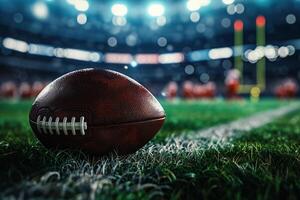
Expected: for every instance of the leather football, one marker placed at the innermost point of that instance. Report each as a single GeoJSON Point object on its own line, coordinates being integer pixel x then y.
{"type": "Point", "coordinates": [96, 111]}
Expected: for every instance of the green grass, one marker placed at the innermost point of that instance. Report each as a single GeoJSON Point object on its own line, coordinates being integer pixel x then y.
{"type": "Point", "coordinates": [262, 164]}
{"type": "Point", "coordinates": [190, 116]}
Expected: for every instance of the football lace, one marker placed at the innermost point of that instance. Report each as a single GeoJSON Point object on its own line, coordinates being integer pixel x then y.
{"type": "Point", "coordinates": [52, 127]}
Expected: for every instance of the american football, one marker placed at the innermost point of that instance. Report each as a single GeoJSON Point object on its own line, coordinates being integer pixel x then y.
{"type": "Point", "coordinates": [149, 99]}
{"type": "Point", "coordinates": [98, 111]}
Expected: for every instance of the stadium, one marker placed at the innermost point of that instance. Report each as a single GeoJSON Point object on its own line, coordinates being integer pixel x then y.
{"type": "Point", "coordinates": [225, 73]}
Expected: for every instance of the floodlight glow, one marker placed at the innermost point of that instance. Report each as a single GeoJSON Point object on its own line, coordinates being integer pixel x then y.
{"type": "Point", "coordinates": [72, 2]}
{"type": "Point", "coordinates": [270, 52]}
{"type": "Point", "coordinates": [58, 52]}
{"type": "Point", "coordinates": [81, 5]}
{"type": "Point", "coordinates": [40, 10]}
{"type": "Point", "coordinates": [194, 5]}
{"type": "Point", "coordinates": [198, 55]}
{"type": "Point", "coordinates": [205, 2]}
{"type": "Point", "coordinates": [146, 58]}
{"type": "Point", "coordinates": [228, 2]}
{"type": "Point", "coordinates": [77, 54]}
{"type": "Point", "coordinates": [94, 57]}
{"type": "Point", "coordinates": [39, 49]}
{"type": "Point", "coordinates": [118, 58]}
{"type": "Point", "coordinates": [119, 10]}
{"type": "Point", "coordinates": [253, 57]}
{"type": "Point", "coordinates": [168, 58]}
{"type": "Point", "coordinates": [156, 10]}
{"type": "Point", "coordinates": [220, 53]}
{"type": "Point", "coordinates": [17, 45]}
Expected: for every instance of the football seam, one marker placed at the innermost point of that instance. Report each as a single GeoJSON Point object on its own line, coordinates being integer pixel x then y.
{"type": "Point", "coordinates": [64, 126]}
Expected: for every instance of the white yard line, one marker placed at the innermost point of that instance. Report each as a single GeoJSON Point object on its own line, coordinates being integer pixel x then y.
{"type": "Point", "coordinates": [225, 131]}
{"type": "Point", "coordinates": [219, 134]}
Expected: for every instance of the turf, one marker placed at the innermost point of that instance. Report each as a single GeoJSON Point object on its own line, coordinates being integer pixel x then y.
{"type": "Point", "coordinates": [185, 116]}
{"type": "Point", "coordinates": [261, 164]}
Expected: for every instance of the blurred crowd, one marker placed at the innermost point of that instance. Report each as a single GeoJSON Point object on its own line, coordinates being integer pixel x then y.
{"type": "Point", "coordinates": [287, 88]}
{"type": "Point", "coordinates": [23, 90]}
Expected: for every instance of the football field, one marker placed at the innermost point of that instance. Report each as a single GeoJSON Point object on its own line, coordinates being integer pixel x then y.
{"type": "Point", "coordinates": [259, 161]}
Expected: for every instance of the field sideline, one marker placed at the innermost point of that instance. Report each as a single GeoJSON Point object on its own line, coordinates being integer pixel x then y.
{"type": "Point", "coordinates": [176, 164]}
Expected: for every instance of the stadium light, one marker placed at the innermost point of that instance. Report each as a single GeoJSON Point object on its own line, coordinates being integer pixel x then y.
{"type": "Point", "coordinates": [119, 10]}
{"type": "Point", "coordinates": [168, 58]}
{"type": "Point", "coordinates": [40, 10]}
{"type": "Point", "coordinates": [228, 2]}
{"type": "Point", "coordinates": [81, 5]}
{"type": "Point", "coordinates": [205, 2]}
{"type": "Point", "coordinates": [17, 45]}
{"type": "Point", "coordinates": [220, 53]}
{"type": "Point", "coordinates": [270, 52]}
{"type": "Point", "coordinates": [156, 10]}
{"type": "Point", "coordinates": [193, 5]}
{"type": "Point", "coordinates": [72, 2]}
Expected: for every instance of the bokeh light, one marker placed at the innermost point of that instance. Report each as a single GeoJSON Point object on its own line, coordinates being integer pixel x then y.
{"type": "Point", "coordinates": [40, 10]}
{"type": "Point", "coordinates": [119, 10]}
{"type": "Point", "coordinates": [156, 10]}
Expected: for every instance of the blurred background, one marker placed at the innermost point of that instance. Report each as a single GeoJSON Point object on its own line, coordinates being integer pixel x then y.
{"type": "Point", "coordinates": [193, 49]}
